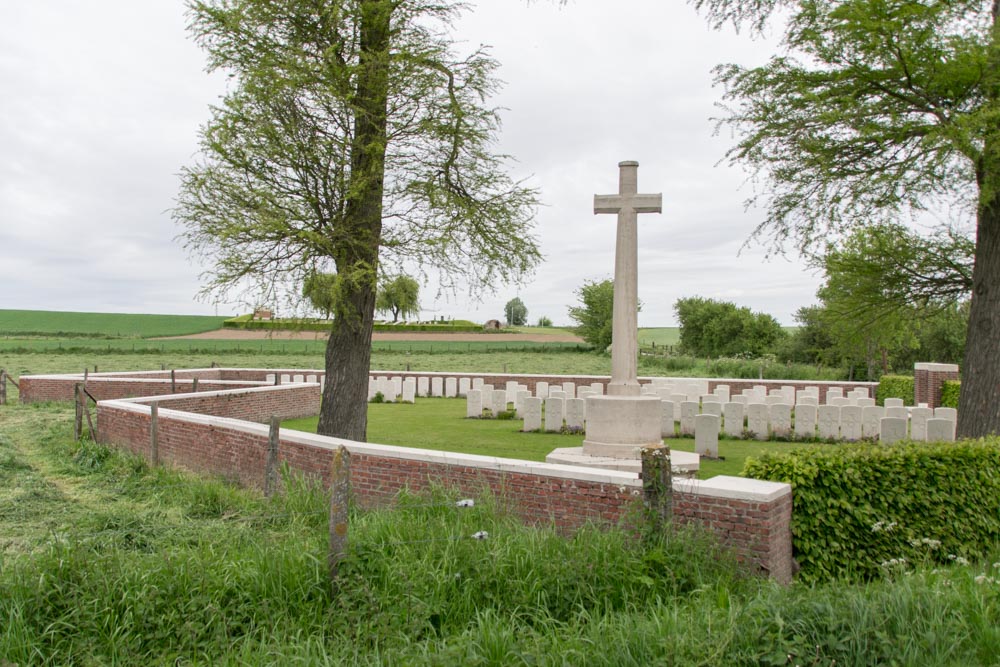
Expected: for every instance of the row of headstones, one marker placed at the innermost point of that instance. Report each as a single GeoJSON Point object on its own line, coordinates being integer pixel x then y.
{"type": "Point", "coordinates": [565, 404]}
{"type": "Point", "coordinates": [396, 388]}
{"type": "Point", "coordinates": [827, 422]}
{"type": "Point", "coordinates": [697, 390]}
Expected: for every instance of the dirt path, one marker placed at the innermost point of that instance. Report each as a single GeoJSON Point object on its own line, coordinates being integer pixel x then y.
{"type": "Point", "coordinates": [244, 334]}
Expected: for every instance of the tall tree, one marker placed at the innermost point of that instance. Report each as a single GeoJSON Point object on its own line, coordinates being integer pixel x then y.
{"type": "Point", "coordinates": [351, 135]}
{"type": "Point", "coordinates": [516, 312]}
{"type": "Point", "coordinates": [594, 314]}
{"type": "Point", "coordinates": [720, 328]}
{"type": "Point", "coordinates": [878, 108]}
{"type": "Point", "coordinates": [399, 296]}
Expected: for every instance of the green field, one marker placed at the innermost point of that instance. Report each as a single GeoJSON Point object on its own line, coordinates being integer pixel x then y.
{"type": "Point", "coordinates": [659, 336]}
{"type": "Point", "coordinates": [110, 325]}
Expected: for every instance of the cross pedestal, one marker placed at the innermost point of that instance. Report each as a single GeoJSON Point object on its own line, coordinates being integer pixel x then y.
{"type": "Point", "coordinates": [621, 423]}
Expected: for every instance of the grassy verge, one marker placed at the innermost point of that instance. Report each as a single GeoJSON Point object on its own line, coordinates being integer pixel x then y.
{"type": "Point", "coordinates": [108, 562]}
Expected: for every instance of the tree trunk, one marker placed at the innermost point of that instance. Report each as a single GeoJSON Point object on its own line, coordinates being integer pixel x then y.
{"type": "Point", "coordinates": [978, 404]}
{"type": "Point", "coordinates": [979, 401]}
{"type": "Point", "coordinates": [344, 410]}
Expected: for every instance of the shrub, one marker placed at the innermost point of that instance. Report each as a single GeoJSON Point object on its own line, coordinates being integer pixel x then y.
{"type": "Point", "coordinates": [544, 321]}
{"type": "Point", "coordinates": [949, 393]}
{"type": "Point", "coordinates": [379, 397]}
{"type": "Point", "coordinates": [895, 386]}
{"type": "Point", "coordinates": [858, 507]}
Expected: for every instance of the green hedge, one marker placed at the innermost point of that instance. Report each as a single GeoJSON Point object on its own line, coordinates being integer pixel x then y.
{"type": "Point", "coordinates": [895, 386]}
{"type": "Point", "coordinates": [324, 325]}
{"type": "Point", "coordinates": [949, 393]}
{"type": "Point", "coordinates": [859, 506]}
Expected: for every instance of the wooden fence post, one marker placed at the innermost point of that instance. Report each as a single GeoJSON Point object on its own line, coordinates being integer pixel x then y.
{"type": "Point", "coordinates": [340, 491]}
{"type": "Point", "coordinates": [271, 471]}
{"type": "Point", "coordinates": [154, 434]}
{"type": "Point", "coordinates": [86, 411]}
{"type": "Point", "coordinates": [173, 381]}
{"type": "Point", "coordinates": [194, 386]}
{"type": "Point", "coordinates": [3, 386]}
{"type": "Point", "coordinates": [78, 417]}
{"type": "Point", "coordinates": [657, 487]}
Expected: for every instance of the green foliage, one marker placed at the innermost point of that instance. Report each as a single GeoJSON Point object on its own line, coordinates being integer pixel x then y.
{"type": "Point", "coordinates": [379, 397]}
{"type": "Point", "coordinates": [459, 326]}
{"type": "Point", "coordinates": [710, 328]}
{"type": "Point", "coordinates": [950, 391]}
{"type": "Point", "coordinates": [103, 325]}
{"type": "Point", "coordinates": [544, 321]}
{"type": "Point", "coordinates": [858, 507]}
{"type": "Point", "coordinates": [399, 296]}
{"type": "Point", "coordinates": [895, 386]}
{"type": "Point", "coordinates": [320, 289]}
{"type": "Point", "coordinates": [515, 312]}
{"type": "Point", "coordinates": [594, 316]}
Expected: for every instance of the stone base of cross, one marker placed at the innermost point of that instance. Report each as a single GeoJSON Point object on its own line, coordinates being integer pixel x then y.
{"type": "Point", "coordinates": [623, 422]}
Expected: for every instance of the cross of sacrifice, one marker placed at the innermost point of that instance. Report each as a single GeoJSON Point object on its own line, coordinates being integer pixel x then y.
{"type": "Point", "coordinates": [625, 324]}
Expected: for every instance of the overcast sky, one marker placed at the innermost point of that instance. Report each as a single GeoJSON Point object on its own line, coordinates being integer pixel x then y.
{"type": "Point", "coordinates": [100, 105]}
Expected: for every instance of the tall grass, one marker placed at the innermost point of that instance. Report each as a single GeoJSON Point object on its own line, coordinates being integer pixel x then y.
{"type": "Point", "coordinates": [153, 566]}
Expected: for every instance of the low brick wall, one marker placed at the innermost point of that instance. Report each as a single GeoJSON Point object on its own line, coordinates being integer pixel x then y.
{"type": "Point", "coordinates": [210, 433]}
{"type": "Point", "coordinates": [103, 386]}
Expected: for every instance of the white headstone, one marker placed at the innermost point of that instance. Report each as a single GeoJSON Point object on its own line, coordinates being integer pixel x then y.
{"type": "Point", "coordinates": [598, 388]}
{"type": "Point", "coordinates": [450, 387]}
{"type": "Point", "coordinates": [712, 408]}
{"type": "Point", "coordinates": [477, 383]}
{"type": "Point", "coordinates": [851, 420]}
{"type": "Point", "coordinates": [574, 414]}
{"type": "Point", "coordinates": [667, 421]}
{"type": "Point", "coordinates": [806, 399]}
{"type": "Point", "coordinates": [569, 388]}
{"type": "Point", "coordinates": [781, 420]}
{"type": "Point", "coordinates": [397, 385]}
{"type": "Point", "coordinates": [410, 392]}
{"type": "Point", "coordinates": [871, 420]}
{"type": "Point", "coordinates": [532, 414]}
{"type": "Point", "coordinates": [706, 435]}
{"type": "Point", "coordinates": [940, 430]}
{"type": "Point", "coordinates": [866, 402]}
{"type": "Point", "coordinates": [689, 409]}
{"type": "Point", "coordinates": [554, 411]}
{"type": "Point", "coordinates": [464, 385]}
{"type": "Point", "coordinates": [722, 391]}
{"type": "Point", "coordinates": [310, 378]}
{"type": "Point", "coordinates": [833, 392]}
{"type": "Point", "coordinates": [437, 386]}
{"type": "Point", "coordinates": [918, 423]}
{"type": "Point", "coordinates": [732, 413]}
{"type": "Point", "coordinates": [946, 413]}
{"type": "Point", "coordinates": [519, 401]}
{"type": "Point", "coordinates": [269, 378]}
{"type": "Point", "coordinates": [828, 422]}
{"type": "Point", "coordinates": [892, 429]}
{"type": "Point", "coordinates": [741, 399]}
{"type": "Point", "coordinates": [372, 388]}
{"type": "Point", "coordinates": [285, 378]}
{"type": "Point", "coordinates": [499, 401]}
{"type": "Point", "coordinates": [677, 399]}
{"type": "Point", "coordinates": [774, 399]}
{"type": "Point", "coordinates": [423, 385]}
{"type": "Point", "coordinates": [487, 392]}
{"type": "Point", "coordinates": [542, 389]}
{"type": "Point", "coordinates": [511, 389]}
{"type": "Point", "coordinates": [805, 420]}
{"type": "Point", "coordinates": [557, 393]}
{"type": "Point", "coordinates": [839, 401]}
{"type": "Point", "coordinates": [474, 404]}
{"type": "Point", "coordinates": [758, 420]}
{"type": "Point", "coordinates": [896, 412]}
{"type": "Point", "coordinates": [893, 403]}
{"type": "Point", "coordinates": [299, 378]}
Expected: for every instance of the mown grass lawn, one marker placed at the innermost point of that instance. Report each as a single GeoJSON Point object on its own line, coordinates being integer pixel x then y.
{"type": "Point", "coordinates": [440, 424]}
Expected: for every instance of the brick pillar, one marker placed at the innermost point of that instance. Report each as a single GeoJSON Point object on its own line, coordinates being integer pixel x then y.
{"type": "Point", "coordinates": [928, 379]}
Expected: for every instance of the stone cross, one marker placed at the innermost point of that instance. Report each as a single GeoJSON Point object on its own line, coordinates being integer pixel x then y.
{"type": "Point", "coordinates": [625, 325]}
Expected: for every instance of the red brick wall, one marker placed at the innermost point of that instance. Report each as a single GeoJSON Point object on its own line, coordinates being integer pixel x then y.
{"type": "Point", "coordinates": [758, 531]}
{"type": "Point", "coordinates": [60, 388]}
